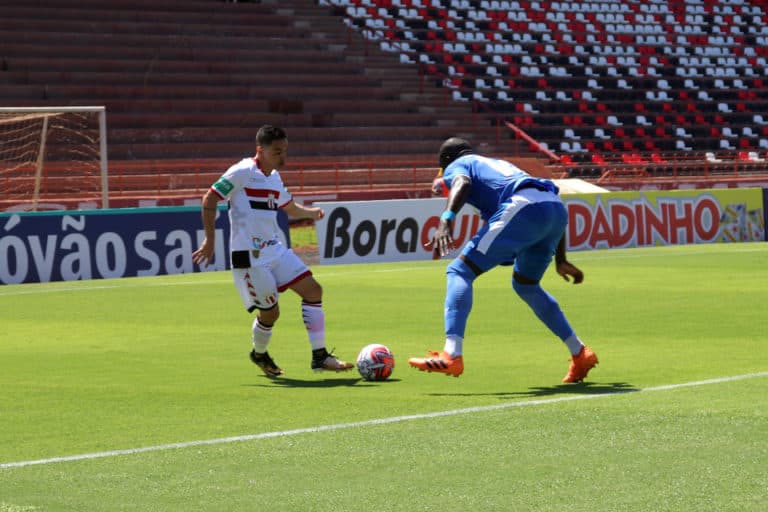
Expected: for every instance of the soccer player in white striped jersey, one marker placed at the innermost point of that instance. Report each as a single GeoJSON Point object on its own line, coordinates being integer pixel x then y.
{"type": "Point", "coordinates": [262, 266]}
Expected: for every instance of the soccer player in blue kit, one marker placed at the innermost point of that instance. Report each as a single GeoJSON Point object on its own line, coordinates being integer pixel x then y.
{"type": "Point", "coordinates": [525, 223]}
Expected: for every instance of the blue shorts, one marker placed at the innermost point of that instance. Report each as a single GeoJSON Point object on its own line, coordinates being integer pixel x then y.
{"type": "Point", "coordinates": [525, 230]}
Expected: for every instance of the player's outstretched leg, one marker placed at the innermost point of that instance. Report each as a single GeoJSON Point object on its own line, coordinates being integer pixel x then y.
{"type": "Point", "coordinates": [458, 304]}
{"type": "Point", "coordinates": [440, 362]}
{"type": "Point", "coordinates": [548, 311]}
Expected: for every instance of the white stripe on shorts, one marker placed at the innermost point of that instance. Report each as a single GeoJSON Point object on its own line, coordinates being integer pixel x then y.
{"type": "Point", "coordinates": [518, 201]}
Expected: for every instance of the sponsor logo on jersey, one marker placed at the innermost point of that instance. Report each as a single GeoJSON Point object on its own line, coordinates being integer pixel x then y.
{"type": "Point", "coordinates": [259, 244]}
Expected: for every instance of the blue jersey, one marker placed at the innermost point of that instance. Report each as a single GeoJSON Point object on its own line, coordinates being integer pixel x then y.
{"type": "Point", "coordinates": [493, 181]}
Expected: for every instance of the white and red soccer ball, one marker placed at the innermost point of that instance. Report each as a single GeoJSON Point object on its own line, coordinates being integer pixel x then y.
{"type": "Point", "coordinates": [375, 362]}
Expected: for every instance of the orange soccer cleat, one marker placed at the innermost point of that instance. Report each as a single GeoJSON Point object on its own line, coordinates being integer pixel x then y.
{"type": "Point", "coordinates": [580, 365]}
{"type": "Point", "coordinates": [439, 362]}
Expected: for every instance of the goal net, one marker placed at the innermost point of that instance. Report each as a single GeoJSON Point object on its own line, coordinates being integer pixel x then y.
{"type": "Point", "coordinates": [51, 156]}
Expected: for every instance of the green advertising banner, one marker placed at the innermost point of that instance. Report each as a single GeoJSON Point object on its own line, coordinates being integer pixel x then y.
{"type": "Point", "coordinates": [653, 218]}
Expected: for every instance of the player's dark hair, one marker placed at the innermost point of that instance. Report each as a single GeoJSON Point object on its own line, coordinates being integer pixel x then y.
{"type": "Point", "coordinates": [452, 149]}
{"type": "Point", "coordinates": [268, 134]}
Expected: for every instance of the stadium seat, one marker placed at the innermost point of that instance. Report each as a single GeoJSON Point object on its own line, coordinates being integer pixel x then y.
{"type": "Point", "coordinates": [600, 134]}
{"type": "Point", "coordinates": [709, 156]}
{"type": "Point", "coordinates": [614, 59]}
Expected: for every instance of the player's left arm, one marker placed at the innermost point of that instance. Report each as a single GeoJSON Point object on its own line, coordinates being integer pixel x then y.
{"type": "Point", "coordinates": [564, 267]}
{"type": "Point", "coordinates": [300, 211]}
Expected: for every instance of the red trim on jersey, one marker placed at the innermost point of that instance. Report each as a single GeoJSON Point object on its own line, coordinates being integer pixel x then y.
{"type": "Point", "coordinates": [260, 192]}
{"type": "Point", "coordinates": [258, 165]}
{"type": "Point", "coordinates": [294, 281]}
{"type": "Point", "coordinates": [217, 193]}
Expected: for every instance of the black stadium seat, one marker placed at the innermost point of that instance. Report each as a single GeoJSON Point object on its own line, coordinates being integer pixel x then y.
{"type": "Point", "coordinates": [619, 57]}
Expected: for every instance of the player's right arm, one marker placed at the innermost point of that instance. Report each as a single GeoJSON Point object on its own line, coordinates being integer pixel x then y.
{"type": "Point", "coordinates": [442, 241]}
{"type": "Point", "coordinates": [203, 256]}
{"type": "Point", "coordinates": [228, 184]}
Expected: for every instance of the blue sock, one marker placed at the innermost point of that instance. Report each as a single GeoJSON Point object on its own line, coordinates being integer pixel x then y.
{"type": "Point", "coordinates": [458, 297]}
{"type": "Point", "coordinates": [546, 308]}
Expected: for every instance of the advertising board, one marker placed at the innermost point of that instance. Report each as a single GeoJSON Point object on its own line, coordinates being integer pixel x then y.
{"type": "Point", "coordinates": [397, 230]}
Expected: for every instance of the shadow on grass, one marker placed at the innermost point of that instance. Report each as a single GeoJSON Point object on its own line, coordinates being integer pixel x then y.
{"type": "Point", "coordinates": [581, 388]}
{"type": "Point", "coordinates": [287, 382]}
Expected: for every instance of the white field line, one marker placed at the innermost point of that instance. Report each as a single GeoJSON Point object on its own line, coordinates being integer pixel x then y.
{"type": "Point", "coordinates": [368, 423]}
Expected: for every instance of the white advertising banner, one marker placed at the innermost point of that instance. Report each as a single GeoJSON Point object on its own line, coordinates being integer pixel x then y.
{"type": "Point", "coordinates": [373, 231]}
{"type": "Point", "coordinates": [392, 230]}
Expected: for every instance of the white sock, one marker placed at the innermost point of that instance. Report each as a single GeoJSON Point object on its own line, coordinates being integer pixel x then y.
{"type": "Point", "coordinates": [574, 344]}
{"type": "Point", "coordinates": [314, 321]}
{"type": "Point", "coordinates": [454, 345]}
{"type": "Point", "coordinates": [261, 336]}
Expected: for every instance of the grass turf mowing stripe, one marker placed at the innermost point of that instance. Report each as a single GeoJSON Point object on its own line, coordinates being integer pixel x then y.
{"type": "Point", "coordinates": [368, 423]}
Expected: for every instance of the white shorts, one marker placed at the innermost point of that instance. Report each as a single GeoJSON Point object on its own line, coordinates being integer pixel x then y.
{"type": "Point", "coordinates": [260, 285]}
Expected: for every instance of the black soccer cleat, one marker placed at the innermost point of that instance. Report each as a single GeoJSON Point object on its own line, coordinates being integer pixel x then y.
{"type": "Point", "coordinates": [322, 360]}
{"type": "Point", "coordinates": [266, 363]}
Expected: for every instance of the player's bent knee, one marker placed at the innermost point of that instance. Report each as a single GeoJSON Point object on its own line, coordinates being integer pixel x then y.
{"type": "Point", "coordinates": [535, 296]}
{"type": "Point", "coordinates": [526, 290]}
{"type": "Point", "coordinates": [459, 267]}
{"type": "Point", "coordinates": [520, 279]}
{"type": "Point", "coordinates": [309, 290]}
{"type": "Point", "coordinates": [269, 316]}
{"type": "Point", "coordinates": [316, 292]}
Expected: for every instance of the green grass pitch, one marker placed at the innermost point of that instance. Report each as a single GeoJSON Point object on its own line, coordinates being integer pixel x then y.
{"type": "Point", "coordinates": [138, 395]}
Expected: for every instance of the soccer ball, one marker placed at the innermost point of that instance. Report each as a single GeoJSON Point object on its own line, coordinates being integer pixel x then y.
{"type": "Point", "coordinates": [375, 362]}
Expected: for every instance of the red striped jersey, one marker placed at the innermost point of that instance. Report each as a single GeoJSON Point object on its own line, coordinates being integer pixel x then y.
{"type": "Point", "coordinates": [253, 203]}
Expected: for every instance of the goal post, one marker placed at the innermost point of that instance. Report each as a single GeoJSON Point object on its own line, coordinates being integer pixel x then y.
{"type": "Point", "coordinates": [51, 156]}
